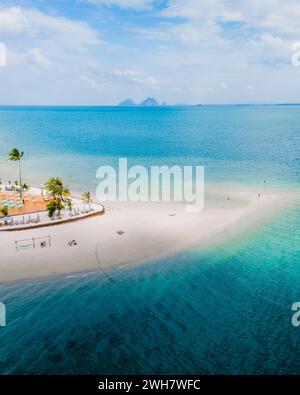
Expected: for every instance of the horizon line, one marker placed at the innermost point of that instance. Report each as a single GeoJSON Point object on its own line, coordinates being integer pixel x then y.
{"type": "Point", "coordinates": [155, 106]}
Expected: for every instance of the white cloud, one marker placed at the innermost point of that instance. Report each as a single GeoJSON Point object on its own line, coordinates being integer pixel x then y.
{"type": "Point", "coordinates": [12, 20]}
{"type": "Point", "coordinates": [275, 42]}
{"type": "Point", "coordinates": [96, 78]}
{"type": "Point", "coordinates": [35, 56]}
{"type": "Point", "coordinates": [194, 9]}
{"type": "Point", "coordinates": [131, 76]}
{"type": "Point", "coordinates": [92, 82]}
{"type": "Point", "coordinates": [155, 34]}
{"type": "Point", "coordinates": [205, 37]}
{"type": "Point", "coordinates": [281, 15]}
{"type": "Point", "coordinates": [45, 56]}
{"type": "Point", "coordinates": [192, 47]}
{"type": "Point", "coordinates": [137, 4]}
{"type": "Point", "coordinates": [35, 25]}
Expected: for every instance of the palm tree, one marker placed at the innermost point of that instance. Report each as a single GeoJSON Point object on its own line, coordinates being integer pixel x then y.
{"type": "Point", "coordinates": [59, 193]}
{"type": "Point", "coordinates": [57, 189]}
{"type": "Point", "coordinates": [15, 156]}
{"type": "Point", "coordinates": [86, 196]}
{"type": "Point", "coordinates": [53, 206]}
{"type": "Point", "coordinates": [4, 211]}
{"type": "Point", "coordinates": [69, 204]}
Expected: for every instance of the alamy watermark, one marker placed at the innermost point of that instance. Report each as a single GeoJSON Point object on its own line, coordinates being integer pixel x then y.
{"type": "Point", "coordinates": [2, 314]}
{"type": "Point", "coordinates": [156, 183]}
{"type": "Point", "coordinates": [296, 315]}
{"type": "Point", "coordinates": [2, 54]}
{"type": "Point", "coordinates": [296, 54]}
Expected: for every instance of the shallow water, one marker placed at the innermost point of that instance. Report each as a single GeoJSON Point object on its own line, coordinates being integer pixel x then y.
{"type": "Point", "coordinates": [224, 310]}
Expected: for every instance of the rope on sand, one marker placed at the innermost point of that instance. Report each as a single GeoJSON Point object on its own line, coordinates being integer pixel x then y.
{"type": "Point", "coordinates": [100, 265]}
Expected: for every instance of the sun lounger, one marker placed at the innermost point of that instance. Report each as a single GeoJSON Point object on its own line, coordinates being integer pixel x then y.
{"type": "Point", "coordinates": [4, 203]}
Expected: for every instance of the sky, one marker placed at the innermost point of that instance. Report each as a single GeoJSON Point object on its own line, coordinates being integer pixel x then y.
{"type": "Point", "coordinates": [99, 52]}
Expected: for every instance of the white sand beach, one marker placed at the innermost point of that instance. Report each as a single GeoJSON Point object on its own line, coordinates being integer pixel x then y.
{"type": "Point", "coordinates": [132, 232]}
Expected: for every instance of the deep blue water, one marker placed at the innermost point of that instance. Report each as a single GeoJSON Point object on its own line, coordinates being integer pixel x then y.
{"type": "Point", "coordinates": [233, 143]}
{"type": "Point", "coordinates": [225, 310]}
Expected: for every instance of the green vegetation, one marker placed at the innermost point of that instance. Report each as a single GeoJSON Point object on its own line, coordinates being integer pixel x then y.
{"type": "Point", "coordinates": [86, 196]}
{"type": "Point", "coordinates": [55, 206]}
{"type": "Point", "coordinates": [59, 194]}
{"type": "Point", "coordinates": [69, 204]}
{"type": "Point", "coordinates": [4, 211]}
{"type": "Point", "coordinates": [15, 156]}
{"type": "Point", "coordinates": [56, 189]}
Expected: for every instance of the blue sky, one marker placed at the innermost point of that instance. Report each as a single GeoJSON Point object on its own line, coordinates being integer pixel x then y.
{"type": "Point", "coordinates": [98, 52]}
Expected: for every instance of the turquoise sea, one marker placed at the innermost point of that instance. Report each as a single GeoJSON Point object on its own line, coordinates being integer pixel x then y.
{"type": "Point", "coordinates": [221, 311]}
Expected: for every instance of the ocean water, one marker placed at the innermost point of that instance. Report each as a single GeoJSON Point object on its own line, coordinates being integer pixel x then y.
{"type": "Point", "coordinates": [225, 310]}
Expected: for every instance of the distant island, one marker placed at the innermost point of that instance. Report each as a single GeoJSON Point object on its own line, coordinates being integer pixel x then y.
{"type": "Point", "coordinates": [152, 102]}
{"type": "Point", "coordinates": [288, 104]}
{"type": "Point", "coordinates": [127, 103]}
{"type": "Point", "coordinates": [148, 102]}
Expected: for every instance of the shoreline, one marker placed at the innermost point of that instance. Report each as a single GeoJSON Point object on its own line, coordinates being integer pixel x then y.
{"type": "Point", "coordinates": [132, 233]}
